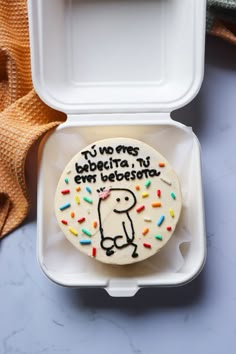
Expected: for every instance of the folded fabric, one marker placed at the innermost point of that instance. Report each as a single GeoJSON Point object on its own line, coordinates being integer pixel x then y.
{"type": "Point", "coordinates": [24, 117]}
{"type": "Point", "coordinates": [221, 19]}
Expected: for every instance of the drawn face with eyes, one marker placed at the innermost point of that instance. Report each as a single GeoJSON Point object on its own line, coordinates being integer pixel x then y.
{"type": "Point", "coordinates": [124, 200]}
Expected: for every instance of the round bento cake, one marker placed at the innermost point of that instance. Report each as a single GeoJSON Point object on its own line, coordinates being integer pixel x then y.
{"type": "Point", "coordinates": [118, 201]}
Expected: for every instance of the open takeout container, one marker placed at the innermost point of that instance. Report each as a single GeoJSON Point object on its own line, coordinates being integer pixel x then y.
{"type": "Point", "coordinates": [118, 68]}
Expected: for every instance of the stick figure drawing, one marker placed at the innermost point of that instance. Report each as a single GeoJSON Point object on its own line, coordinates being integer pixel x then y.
{"type": "Point", "coordinates": [122, 201]}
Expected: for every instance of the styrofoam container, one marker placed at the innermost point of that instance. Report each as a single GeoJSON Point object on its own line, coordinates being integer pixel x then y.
{"type": "Point", "coordinates": [118, 68]}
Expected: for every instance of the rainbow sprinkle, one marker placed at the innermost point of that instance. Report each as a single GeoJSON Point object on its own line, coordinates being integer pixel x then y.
{"type": "Point", "coordinates": [173, 195]}
{"type": "Point", "coordinates": [72, 214]}
{"type": "Point", "coordinates": [81, 220]}
{"type": "Point", "coordinates": [65, 206]}
{"type": "Point", "coordinates": [73, 231]}
{"type": "Point", "coordinates": [89, 190]}
{"type": "Point", "coordinates": [65, 191]}
{"type": "Point", "coordinates": [145, 231]}
{"type": "Point", "coordinates": [94, 251]}
{"type": "Point", "coordinates": [141, 208]}
{"type": "Point", "coordinates": [158, 237]}
{"type": "Point", "coordinates": [160, 221]}
{"type": "Point", "coordinates": [156, 204]}
{"type": "Point", "coordinates": [88, 200]}
{"type": "Point", "coordinates": [169, 228]}
{"type": "Point", "coordinates": [145, 195]}
{"type": "Point", "coordinates": [147, 219]}
{"type": "Point", "coordinates": [137, 188]}
{"type": "Point", "coordinates": [85, 242]}
{"type": "Point", "coordinates": [95, 224]}
{"type": "Point", "coordinates": [64, 222]}
{"type": "Point", "coordinates": [162, 164]}
{"type": "Point", "coordinates": [66, 180]}
{"type": "Point", "coordinates": [77, 199]}
{"type": "Point", "coordinates": [147, 245]}
{"type": "Point", "coordinates": [172, 213]}
{"type": "Point", "coordinates": [86, 232]}
{"type": "Point", "coordinates": [159, 193]}
{"type": "Point", "coordinates": [147, 184]}
{"type": "Point", "coordinates": [78, 189]}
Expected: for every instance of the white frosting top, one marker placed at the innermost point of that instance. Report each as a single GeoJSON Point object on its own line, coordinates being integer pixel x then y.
{"type": "Point", "coordinates": [118, 201]}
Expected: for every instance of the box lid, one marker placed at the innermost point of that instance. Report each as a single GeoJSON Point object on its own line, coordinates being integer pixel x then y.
{"type": "Point", "coordinates": [91, 56]}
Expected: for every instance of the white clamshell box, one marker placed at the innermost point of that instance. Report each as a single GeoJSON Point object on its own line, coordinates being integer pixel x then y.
{"type": "Point", "coordinates": [117, 68]}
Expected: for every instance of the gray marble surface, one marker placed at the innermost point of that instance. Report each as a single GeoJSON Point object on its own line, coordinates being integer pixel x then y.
{"type": "Point", "coordinates": [37, 316]}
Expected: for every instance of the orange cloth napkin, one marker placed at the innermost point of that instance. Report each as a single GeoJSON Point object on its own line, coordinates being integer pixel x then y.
{"type": "Point", "coordinates": [23, 116]}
